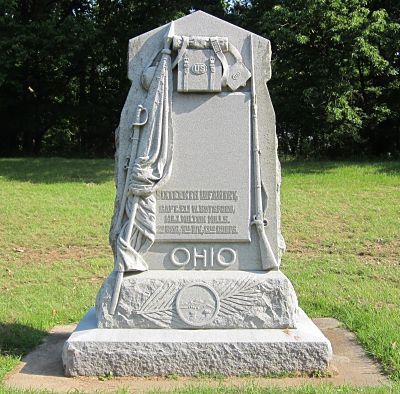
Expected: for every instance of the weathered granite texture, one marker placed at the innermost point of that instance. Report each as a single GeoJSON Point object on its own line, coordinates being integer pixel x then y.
{"type": "Point", "coordinates": [138, 352]}
{"type": "Point", "coordinates": [212, 150]}
{"type": "Point", "coordinates": [197, 205]}
{"type": "Point", "coordinates": [176, 299]}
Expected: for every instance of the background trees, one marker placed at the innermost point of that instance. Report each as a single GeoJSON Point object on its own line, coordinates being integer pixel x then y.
{"type": "Point", "coordinates": [335, 82]}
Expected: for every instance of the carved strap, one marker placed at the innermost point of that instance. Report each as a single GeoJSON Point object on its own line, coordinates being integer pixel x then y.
{"type": "Point", "coordinates": [182, 50]}
{"type": "Point", "coordinates": [235, 53]}
{"type": "Point", "coordinates": [212, 73]}
{"type": "Point", "coordinates": [218, 51]}
{"type": "Point", "coordinates": [199, 42]}
{"type": "Point", "coordinates": [185, 73]}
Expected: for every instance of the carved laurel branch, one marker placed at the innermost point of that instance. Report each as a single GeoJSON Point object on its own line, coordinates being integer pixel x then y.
{"type": "Point", "coordinates": [159, 307]}
{"type": "Point", "coordinates": [235, 297]}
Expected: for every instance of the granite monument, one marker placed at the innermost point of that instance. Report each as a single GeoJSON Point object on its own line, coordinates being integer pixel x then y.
{"type": "Point", "coordinates": [196, 238]}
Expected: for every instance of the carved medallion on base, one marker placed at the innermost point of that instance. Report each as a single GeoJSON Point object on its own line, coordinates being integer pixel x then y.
{"type": "Point", "coordinates": [197, 304]}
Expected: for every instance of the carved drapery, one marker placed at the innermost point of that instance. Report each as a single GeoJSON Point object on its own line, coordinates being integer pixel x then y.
{"type": "Point", "coordinates": [149, 170]}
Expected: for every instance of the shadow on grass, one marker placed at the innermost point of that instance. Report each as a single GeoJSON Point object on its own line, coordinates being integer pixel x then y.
{"type": "Point", "coordinates": [57, 170]}
{"type": "Point", "coordinates": [308, 167]}
{"type": "Point", "coordinates": [18, 339]}
{"type": "Point", "coordinates": [46, 359]}
{"type": "Point", "coordinates": [319, 167]}
{"type": "Point", "coordinates": [389, 168]}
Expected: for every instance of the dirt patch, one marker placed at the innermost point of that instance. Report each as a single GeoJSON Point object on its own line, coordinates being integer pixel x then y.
{"type": "Point", "coordinates": [25, 255]}
{"type": "Point", "coordinates": [377, 253]}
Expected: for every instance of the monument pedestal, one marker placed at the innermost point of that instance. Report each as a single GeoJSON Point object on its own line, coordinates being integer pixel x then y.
{"type": "Point", "coordinates": [94, 351]}
{"type": "Point", "coordinates": [199, 299]}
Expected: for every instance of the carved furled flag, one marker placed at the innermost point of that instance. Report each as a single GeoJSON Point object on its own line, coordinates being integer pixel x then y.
{"type": "Point", "coordinates": [150, 169]}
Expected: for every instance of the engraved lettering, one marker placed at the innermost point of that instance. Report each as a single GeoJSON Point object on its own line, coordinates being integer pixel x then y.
{"type": "Point", "coordinates": [226, 230]}
{"type": "Point", "coordinates": [217, 219]}
{"type": "Point", "coordinates": [175, 260]}
{"type": "Point", "coordinates": [215, 195]}
{"type": "Point", "coordinates": [199, 256]}
{"type": "Point", "coordinates": [174, 209]}
{"type": "Point", "coordinates": [172, 230]}
{"type": "Point", "coordinates": [199, 68]}
{"type": "Point", "coordinates": [203, 258]}
{"type": "Point", "coordinates": [208, 220]}
{"type": "Point", "coordinates": [184, 219]}
{"type": "Point", "coordinates": [222, 260]}
{"type": "Point", "coordinates": [236, 75]}
{"type": "Point", "coordinates": [213, 209]}
{"type": "Point", "coordinates": [218, 195]}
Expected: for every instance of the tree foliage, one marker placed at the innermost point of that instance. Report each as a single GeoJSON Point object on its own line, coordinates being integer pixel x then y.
{"type": "Point", "coordinates": [63, 69]}
{"type": "Point", "coordinates": [335, 83]}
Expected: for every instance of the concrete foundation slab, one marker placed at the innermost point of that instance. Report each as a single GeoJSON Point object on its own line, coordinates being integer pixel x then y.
{"type": "Point", "coordinates": [42, 369]}
{"type": "Point", "coordinates": [142, 352]}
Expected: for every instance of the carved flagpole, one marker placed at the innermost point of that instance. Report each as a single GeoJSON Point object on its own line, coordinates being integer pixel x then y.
{"type": "Point", "coordinates": [135, 142]}
{"type": "Point", "coordinates": [268, 259]}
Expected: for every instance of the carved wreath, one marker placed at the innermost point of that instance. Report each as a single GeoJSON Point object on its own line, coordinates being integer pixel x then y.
{"type": "Point", "coordinates": [160, 307]}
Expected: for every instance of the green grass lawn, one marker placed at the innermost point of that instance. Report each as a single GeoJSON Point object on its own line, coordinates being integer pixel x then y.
{"type": "Point", "coordinates": [340, 220]}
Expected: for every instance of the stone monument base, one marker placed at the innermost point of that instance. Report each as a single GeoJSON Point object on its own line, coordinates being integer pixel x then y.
{"type": "Point", "coordinates": [199, 299]}
{"type": "Point", "coordinates": [92, 351]}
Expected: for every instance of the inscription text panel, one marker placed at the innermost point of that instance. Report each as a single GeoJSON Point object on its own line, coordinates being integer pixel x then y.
{"type": "Point", "coordinates": [208, 195]}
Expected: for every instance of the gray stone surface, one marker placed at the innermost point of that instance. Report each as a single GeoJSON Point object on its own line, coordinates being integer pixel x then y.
{"type": "Point", "coordinates": [212, 152]}
{"type": "Point", "coordinates": [208, 208]}
{"type": "Point", "coordinates": [142, 352]}
{"type": "Point", "coordinates": [171, 299]}
{"type": "Point", "coordinates": [196, 226]}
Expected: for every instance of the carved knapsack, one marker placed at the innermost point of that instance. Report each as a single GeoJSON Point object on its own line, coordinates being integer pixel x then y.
{"type": "Point", "coordinates": [203, 65]}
